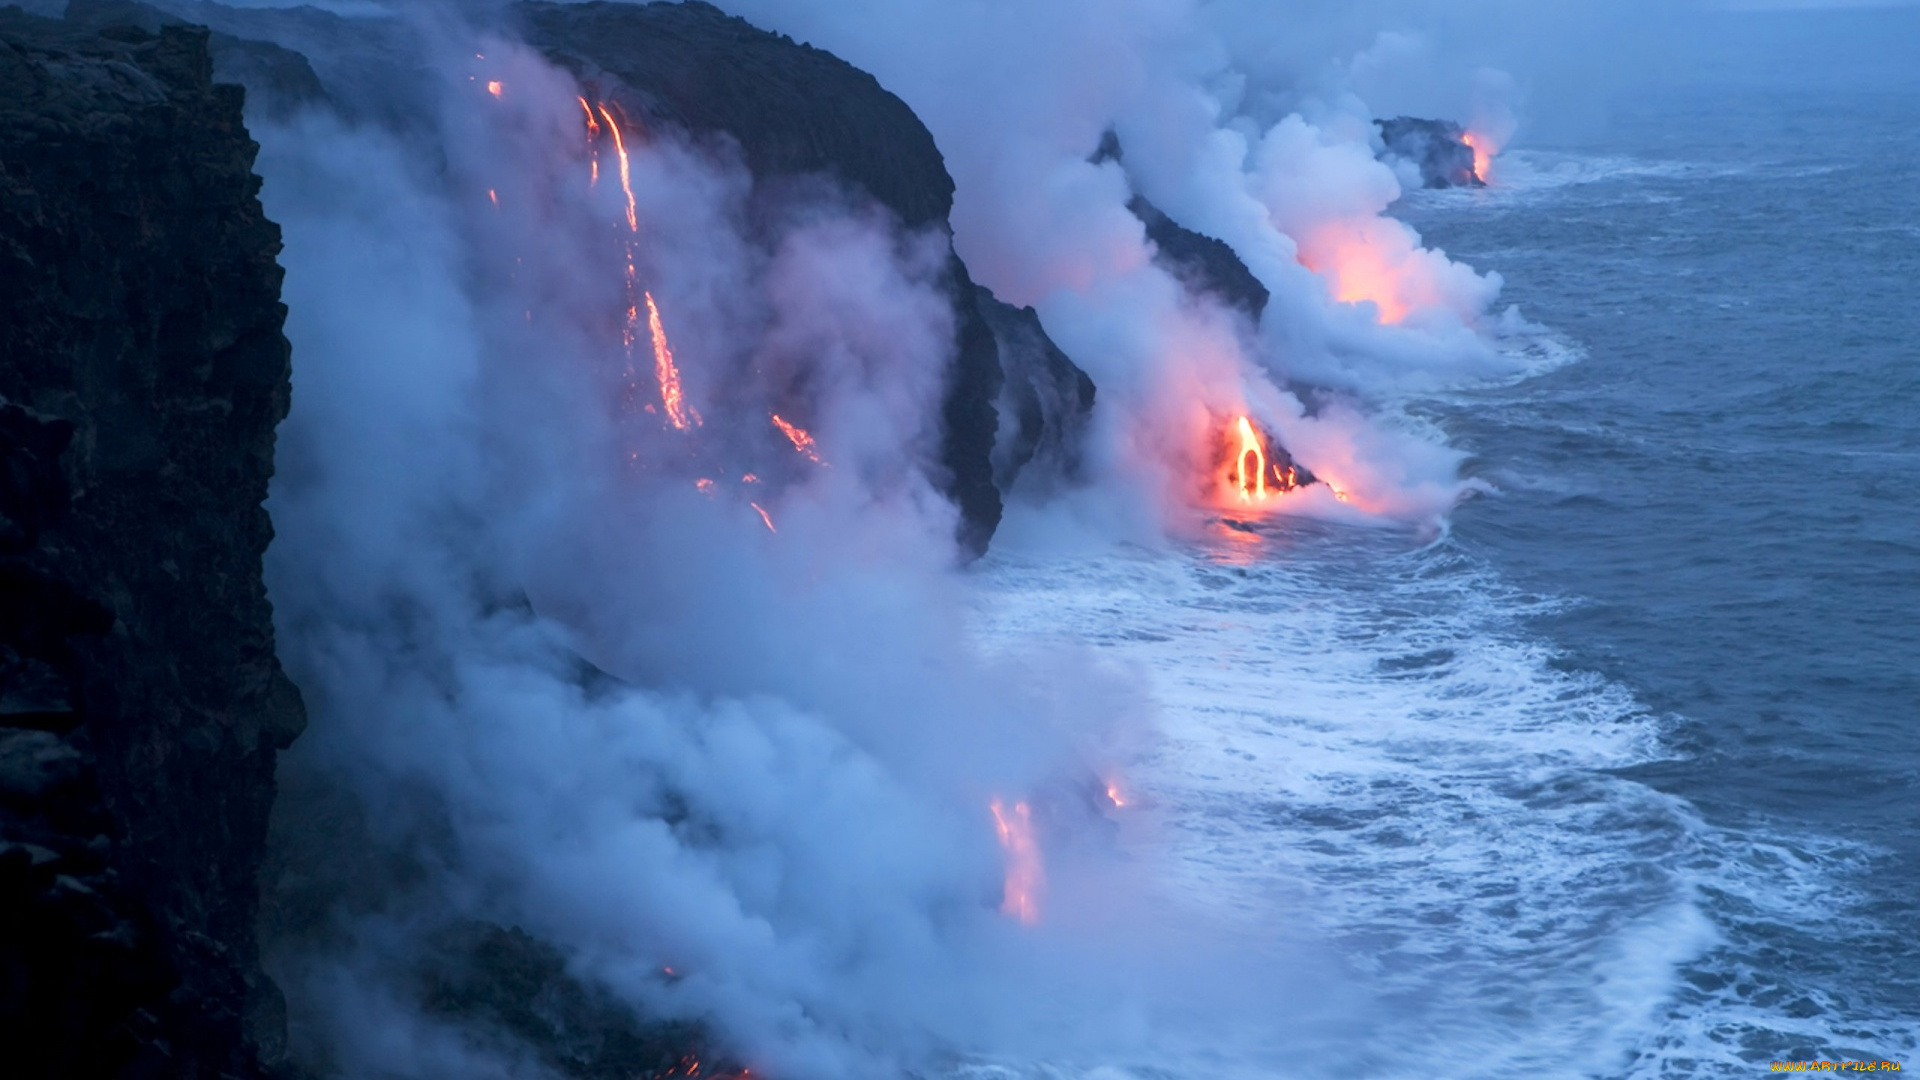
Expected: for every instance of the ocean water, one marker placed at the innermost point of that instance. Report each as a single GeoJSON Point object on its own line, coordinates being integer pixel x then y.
{"type": "Point", "coordinates": [1618, 776]}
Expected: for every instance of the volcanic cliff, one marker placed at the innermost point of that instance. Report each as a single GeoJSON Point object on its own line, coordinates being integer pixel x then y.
{"type": "Point", "coordinates": [143, 370]}
{"type": "Point", "coordinates": [142, 373]}
{"type": "Point", "coordinates": [797, 111]}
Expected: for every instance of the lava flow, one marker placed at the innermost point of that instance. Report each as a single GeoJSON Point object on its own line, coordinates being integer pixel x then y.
{"type": "Point", "coordinates": [1250, 464]}
{"type": "Point", "coordinates": [798, 436]}
{"type": "Point", "coordinates": [1021, 896]}
{"type": "Point", "coordinates": [1246, 474]}
{"type": "Point", "coordinates": [679, 413]}
{"type": "Point", "coordinates": [1483, 150]}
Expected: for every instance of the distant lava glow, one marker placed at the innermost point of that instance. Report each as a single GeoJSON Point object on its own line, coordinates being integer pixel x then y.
{"type": "Point", "coordinates": [1356, 270]}
{"type": "Point", "coordinates": [1021, 896]}
{"type": "Point", "coordinates": [1484, 148]}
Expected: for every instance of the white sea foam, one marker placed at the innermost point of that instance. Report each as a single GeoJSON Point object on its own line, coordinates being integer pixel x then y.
{"type": "Point", "coordinates": [1365, 742]}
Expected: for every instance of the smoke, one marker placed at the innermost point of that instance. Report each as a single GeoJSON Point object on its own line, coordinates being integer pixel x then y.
{"type": "Point", "coordinates": [1246, 125]}
{"type": "Point", "coordinates": [736, 768]}
{"type": "Point", "coordinates": [704, 711]}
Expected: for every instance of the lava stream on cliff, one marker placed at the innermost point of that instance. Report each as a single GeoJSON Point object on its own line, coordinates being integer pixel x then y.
{"type": "Point", "coordinates": [800, 438]}
{"type": "Point", "coordinates": [680, 413]}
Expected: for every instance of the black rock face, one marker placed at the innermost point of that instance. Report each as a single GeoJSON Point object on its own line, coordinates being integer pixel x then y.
{"type": "Point", "coordinates": [143, 370]}
{"type": "Point", "coordinates": [1045, 403]}
{"type": "Point", "coordinates": [1437, 147]}
{"type": "Point", "coordinates": [1203, 263]}
{"type": "Point", "coordinates": [278, 80]}
{"type": "Point", "coordinates": [797, 111]}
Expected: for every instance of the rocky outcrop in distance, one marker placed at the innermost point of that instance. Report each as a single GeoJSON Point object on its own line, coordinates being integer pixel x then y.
{"type": "Point", "coordinates": [1437, 148]}
{"type": "Point", "coordinates": [143, 371]}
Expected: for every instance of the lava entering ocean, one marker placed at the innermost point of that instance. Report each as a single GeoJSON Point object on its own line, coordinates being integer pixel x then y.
{"type": "Point", "coordinates": [1025, 877]}
{"type": "Point", "coordinates": [1246, 474]}
{"type": "Point", "coordinates": [1484, 148]}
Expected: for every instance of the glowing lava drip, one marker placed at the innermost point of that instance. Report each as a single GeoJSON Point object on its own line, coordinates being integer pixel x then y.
{"type": "Point", "coordinates": [678, 411]}
{"type": "Point", "coordinates": [680, 414]}
{"type": "Point", "coordinates": [1021, 896]}
{"type": "Point", "coordinates": [1251, 484]}
{"type": "Point", "coordinates": [798, 436]}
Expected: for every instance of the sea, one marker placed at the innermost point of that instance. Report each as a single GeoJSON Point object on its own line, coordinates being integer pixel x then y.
{"type": "Point", "coordinates": [1618, 775]}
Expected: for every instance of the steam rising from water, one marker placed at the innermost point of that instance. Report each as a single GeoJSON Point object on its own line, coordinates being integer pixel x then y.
{"type": "Point", "coordinates": [579, 691]}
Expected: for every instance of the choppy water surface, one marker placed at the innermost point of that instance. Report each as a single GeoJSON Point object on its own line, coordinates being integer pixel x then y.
{"type": "Point", "coordinates": [1617, 778]}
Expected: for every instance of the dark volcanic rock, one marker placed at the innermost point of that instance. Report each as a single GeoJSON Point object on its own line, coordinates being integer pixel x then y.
{"type": "Point", "coordinates": [1045, 403]}
{"type": "Point", "coordinates": [504, 984]}
{"type": "Point", "coordinates": [279, 81]}
{"type": "Point", "coordinates": [1202, 262]}
{"type": "Point", "coordinates": [1437, 147]}
{"type": "Point", "coordinates": [143, 370]}
{"type": "Point", "coordinates": [796, 111]}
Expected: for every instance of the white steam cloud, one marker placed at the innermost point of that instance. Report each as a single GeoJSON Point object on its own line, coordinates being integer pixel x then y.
{"type": "Point", "coordinates": [781, 795]}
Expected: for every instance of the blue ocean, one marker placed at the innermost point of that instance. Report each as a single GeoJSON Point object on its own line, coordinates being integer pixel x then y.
{"type": "Point", "coordinates": [1617, 776]}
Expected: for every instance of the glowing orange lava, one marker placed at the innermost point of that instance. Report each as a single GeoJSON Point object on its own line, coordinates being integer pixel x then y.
{"type": "Point", "coordinates": [626, 175]}
{"type": "Point", "coordinates": [494, 87]}
{"type": "Point", "coordinates": [763, 516]}
{"type": "Point", "coordinates": [1483, 151]}
{"type": "Point", "coordinates": [798, 436]}
{"type": "Point", "coordinates": [689, 1066]}
{"type": "Point", "coordinates": [1021, 897]}
{"type": "Point", "coordinates": [1250, 464]}
{"type": "Point", "coordinates": [1356, 271]}
{"type": "Point", "coordinates": [1116, 797]}
{"type": "Point", "coordinates": [679, 413]}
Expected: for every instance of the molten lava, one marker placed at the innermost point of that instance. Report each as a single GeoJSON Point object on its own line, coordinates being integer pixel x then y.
{"type": "Point", "coordinates": [1021, 896]}
{"type": "Point", "coordinates": [798, 436]}
{"type": "Point", "coordinates": [1250, 464]}
{"type": "Point", "coordinates": [1483, 151]}
{"type": "Point", "coordinates": [626, 173]}
{"type": "Point", "coordinates": [494, 87]}
{"type": "Point", "coordinates": [761, 510]}
{"type": "Point", "coordinates": [679, 413]}
{"type": "Point", "coordinates": [1116, 797]}
{"type": "Point", "coordinates": [1245, 472]}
